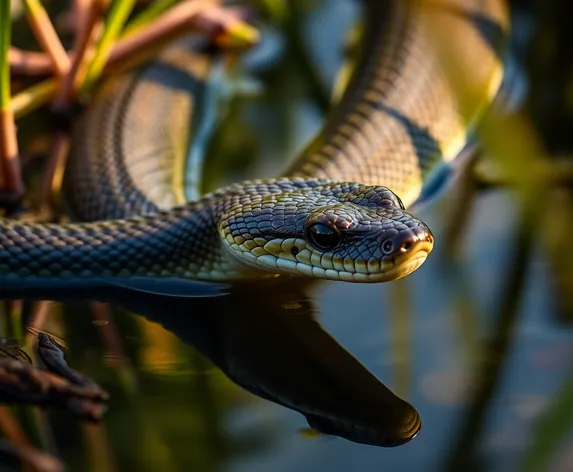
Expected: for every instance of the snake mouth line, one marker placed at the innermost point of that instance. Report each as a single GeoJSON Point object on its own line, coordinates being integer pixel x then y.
{"type": "Point", "coordinates": [401, 269]}
{"type": "Point", "coordinates": [412, 262]}
{"type": "Point", "coordinates": [400, 266]}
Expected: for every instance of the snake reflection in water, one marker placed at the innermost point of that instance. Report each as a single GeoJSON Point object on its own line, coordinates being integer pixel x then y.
{"type": "Point", "coordinates": [277, 350]}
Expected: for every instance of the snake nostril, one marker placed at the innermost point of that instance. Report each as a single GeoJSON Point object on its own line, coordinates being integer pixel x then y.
{"type": "Point", "coordinates": [405, 246]}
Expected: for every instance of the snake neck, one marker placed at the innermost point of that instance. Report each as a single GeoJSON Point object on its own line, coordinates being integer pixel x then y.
{"type": "Point", "coordinates": [183, 242]}
{"type": "Point", "coordinates": [179, 243]}
{"type": "Point", "coordinates": [143, 128]}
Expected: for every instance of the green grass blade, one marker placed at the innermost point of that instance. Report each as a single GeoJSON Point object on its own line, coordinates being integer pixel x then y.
{"type": "Point", "coordinates": [5, 36]}
{"type": "Point", "coordinates": [115, 21]}
{"type": "Point", "coordinates": [150, 13]}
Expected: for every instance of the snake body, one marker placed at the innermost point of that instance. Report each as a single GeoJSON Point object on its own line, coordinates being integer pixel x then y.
{"type": "Point", "coordinates": [331, 215]}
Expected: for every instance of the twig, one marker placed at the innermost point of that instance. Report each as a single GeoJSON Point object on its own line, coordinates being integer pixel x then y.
{"type": "Point", "coordinates": [36, 321]}
{"type": "Point", "coordinates": [226, 29]}
{"type": "Point", "coordinates": [46, 35]}
{"type": "Point", "coordinates": [91, 24]}
{"type": "Point", "coordinates": [25, 383]}
{"type": "Point", "coordinates": [80, 10]}
{"type": "Point", "coordinates": [224, 25]}
{"type": "Point", "coordinates": [169, 25]}
{"type": "Point", "coordinates": [96, 14]}
{"type": "Point", "coordinates": [223, 28]}
{"type": "Point", "coordinates": [29, 63]}
{"type": "Point", "coordinates": [11, 182]}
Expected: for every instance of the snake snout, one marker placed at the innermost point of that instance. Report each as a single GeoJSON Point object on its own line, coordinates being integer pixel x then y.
{"type": "Point", "coordinates": [410, 241]}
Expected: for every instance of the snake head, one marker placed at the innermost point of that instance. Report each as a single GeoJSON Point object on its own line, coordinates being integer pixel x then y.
{"type": "Point", "coordinates": [337, 231]}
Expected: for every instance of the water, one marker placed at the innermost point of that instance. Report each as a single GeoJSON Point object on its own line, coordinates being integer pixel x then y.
{"type": "Point", "coordinates": [220, 384]}
{"type": "Point", "coordinates": [173, 406]}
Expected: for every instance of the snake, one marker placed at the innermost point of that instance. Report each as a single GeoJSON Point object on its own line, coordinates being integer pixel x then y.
{"type": "Point", "coordinates": [338, 211]}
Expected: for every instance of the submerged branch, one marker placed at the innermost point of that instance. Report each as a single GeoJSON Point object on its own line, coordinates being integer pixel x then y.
{"type": "Point", "coordinates": [58, 386]}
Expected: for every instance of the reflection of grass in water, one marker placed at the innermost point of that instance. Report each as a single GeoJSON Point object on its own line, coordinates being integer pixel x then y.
{"type": "Point", "coordinates": [155, 422]}
{"type": "Point", "coordinates": [504, 139]}
{"type": "Point", "coordinates": [515, 147]}
{"type": "Point", "coordinates": [498, 345]}
{"type": "Point", "coordinates": [551, 430]}
{"type": "Point", "coordinates": [455, 224]}
{"type": "Point", "coordinates": [161, 350]}
{"type": "Point", "coordinates": [401, 336]}
{"type": "Point", "coordinates": [557, 246]}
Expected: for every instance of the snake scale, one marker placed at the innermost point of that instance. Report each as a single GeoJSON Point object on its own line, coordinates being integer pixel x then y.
{"type": "Point", "coordinates": [334, 213]}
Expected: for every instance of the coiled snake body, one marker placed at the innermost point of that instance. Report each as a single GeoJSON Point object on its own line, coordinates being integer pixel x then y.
{"type": "Point", "coordinates": [331, 215]}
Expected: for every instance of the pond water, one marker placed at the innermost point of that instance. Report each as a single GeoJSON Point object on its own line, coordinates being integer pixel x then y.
{"type": "Point", "coordinates": [477, 340]}
{"type": "Point", "coordinates": [173, 406]}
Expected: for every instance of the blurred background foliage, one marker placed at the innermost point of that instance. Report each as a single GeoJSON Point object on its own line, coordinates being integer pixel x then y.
{"type": "Point", "coordinates": [501, 279]}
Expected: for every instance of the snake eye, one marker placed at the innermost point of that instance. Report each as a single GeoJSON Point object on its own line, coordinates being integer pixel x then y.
{"type": "Point", "coordinates": [387, 247]}
{"type": "Point", "coordinates": [323, 237]}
